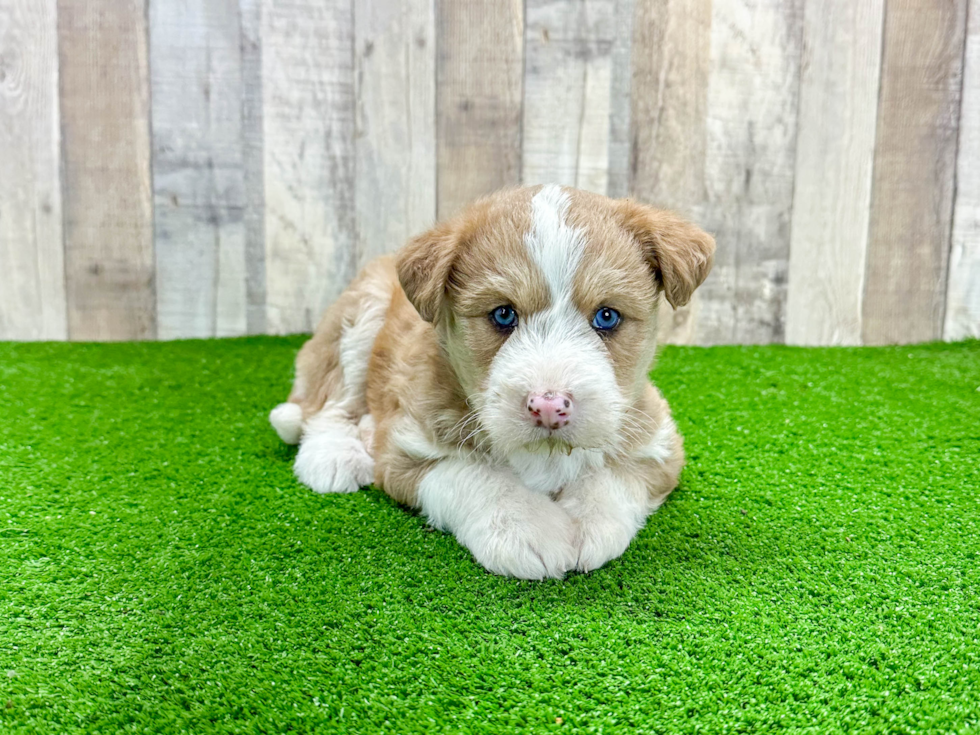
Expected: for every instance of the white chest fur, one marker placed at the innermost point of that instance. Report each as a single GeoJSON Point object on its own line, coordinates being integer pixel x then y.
{"type": "Point", "coordinates": [547, 471]}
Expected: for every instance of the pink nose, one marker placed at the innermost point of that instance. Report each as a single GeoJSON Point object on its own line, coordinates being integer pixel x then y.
{"type": "Point", "coordinates": [550, 410]}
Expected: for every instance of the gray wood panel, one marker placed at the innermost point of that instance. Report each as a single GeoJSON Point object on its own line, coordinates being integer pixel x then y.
{"type": "Point", "coordinates": [568, 74]}
{"type": "Point", "coordinates": [834, 164]}
{"type": "Point", "coordinates": [108, 210]}
{"type": "Point", "coordinates": [963, 289]}
{"type": "Point", "coordinates": [915, 158]}
{"type": "Point", "coordinates": [749, 166]}
{"type": "Point", "coordinates": [395, 54]}
{"type": "Point", "coordinates": [309, 159]}
{"type": "Point", "coordinates": [32, 269]}
{"type": "Point", "coordinates": [198, 175]}
{"type": "Point", "coordinates": [253, 164]}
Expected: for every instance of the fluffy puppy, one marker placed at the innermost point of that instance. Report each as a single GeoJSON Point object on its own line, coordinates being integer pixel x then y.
{"type": "Point", "coordinates": [493, 374]}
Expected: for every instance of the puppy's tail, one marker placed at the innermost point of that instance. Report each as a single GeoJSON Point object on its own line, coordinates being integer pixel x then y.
{"type": "Point", "coordinates": [287, 420]}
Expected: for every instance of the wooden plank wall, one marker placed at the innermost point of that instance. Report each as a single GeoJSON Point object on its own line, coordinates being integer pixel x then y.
{"type": "Point", "coordinates": [199, 168]}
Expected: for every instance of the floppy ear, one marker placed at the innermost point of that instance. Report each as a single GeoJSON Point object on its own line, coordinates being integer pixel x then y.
{"type": "Point", "coordinates": [424, 266]}
{"type": "Point", "coordinates": [680, 253]}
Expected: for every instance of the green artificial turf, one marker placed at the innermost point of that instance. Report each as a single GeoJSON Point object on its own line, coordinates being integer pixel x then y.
{"type": "Point", "coordinates": [161, 570]}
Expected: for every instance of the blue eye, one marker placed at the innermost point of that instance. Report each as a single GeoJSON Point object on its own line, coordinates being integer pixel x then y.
{"type": "Point", "coordinates": [504, 317]}
{"type": "Point", "coordinates": [606, 319]}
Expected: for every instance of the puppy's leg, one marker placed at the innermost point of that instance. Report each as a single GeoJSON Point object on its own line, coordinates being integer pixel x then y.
{"type": "Point", "coordinates": [332, 455]}
{"type": "Point", "coordinates": [609, 509]}
{"type": "Point", "coordinates": [508, 529]}
{"type": "Point", "coordinates": [328, 398]}
{"type": "Point", "coordinates": [332, 458]}
{"type": "Point", "coordinates": [611, 504]}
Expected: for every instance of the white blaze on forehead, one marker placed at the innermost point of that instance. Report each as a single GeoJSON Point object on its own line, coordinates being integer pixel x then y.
{"type": "Point", "coordinates": [555, 247]}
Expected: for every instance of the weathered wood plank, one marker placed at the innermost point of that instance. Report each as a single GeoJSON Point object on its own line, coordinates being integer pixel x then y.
{"type": "Point", "coordinates": [750, 159]}
{"type": "Point", "coordinates": [198, 176]}
{"type": "Point", "coordinates": [479, 91]}
{"type": "Point", "coordinates": [253, 164]}
{"type": "Point", "coordinates": [396, 128]}
{"type": "Point", "coordinates": [108, 210]}
{"type": "Point", "coordinates": [32, 271]}
{"type": "Point", "coordinates": [671, 64]}
{"type": "Point", "coordinates": [620, 135]}
{"type": "Point", "coordinates": [915, 158]}
{"type": "Point", "coordinates": [568, 47]}
{"type": "Point", "coordinates": [308, 119]}
{"type": "Point", "coordinates": [963, 290]}
{"type": "Point", "coordinates": [834, 163]}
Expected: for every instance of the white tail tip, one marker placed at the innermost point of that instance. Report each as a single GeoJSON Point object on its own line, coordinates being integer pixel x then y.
{"type": "Point", "coordinates": [287, 420]}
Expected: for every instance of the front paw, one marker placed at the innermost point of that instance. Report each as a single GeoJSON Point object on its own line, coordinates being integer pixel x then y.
{"type": "Point", "coordinates": [333, 464]}
{"type": "Point", "coordinates": [601, 539]}
{"type": "Point", "coordinates": [536, 544]}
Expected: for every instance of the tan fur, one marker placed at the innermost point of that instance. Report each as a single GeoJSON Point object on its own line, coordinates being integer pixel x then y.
{"type": "Point", "coordinates": [409, 378]}
{"type": "Point", "coordinates": [319, 374]}
{"type": "Point", "coordinates": [650, 412]}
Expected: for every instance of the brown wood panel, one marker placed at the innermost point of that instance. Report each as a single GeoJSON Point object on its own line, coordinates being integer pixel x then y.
{"type": "Point", "coordinates": [108, 207]}
{"type": "Point", "coordinates": [669, 95]}
{"type": "Point", "coordinates": [915, 158]}
{"type": "Point", "coordinates": [479, 73]}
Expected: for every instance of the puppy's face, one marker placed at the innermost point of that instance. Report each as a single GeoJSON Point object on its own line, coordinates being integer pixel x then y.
{"type": "Point", "coordinates": [545, 300]}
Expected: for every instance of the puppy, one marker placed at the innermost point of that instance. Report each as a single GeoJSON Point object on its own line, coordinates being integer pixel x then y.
{"type": "Point", "coordinates": [493, 374]}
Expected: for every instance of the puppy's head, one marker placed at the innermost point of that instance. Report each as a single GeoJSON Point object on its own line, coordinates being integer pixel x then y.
{"type": "Point", "coordinates": [545, 301]}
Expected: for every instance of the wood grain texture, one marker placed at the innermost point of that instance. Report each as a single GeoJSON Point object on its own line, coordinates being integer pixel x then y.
{"type": "Point", "coordinates": [32, 271]}
{"type": "Point", "coordinates": [620, 119]}
{"type": "Point", "coordinates": [568, 47]}
{"type": "Point", "coordinates": [198, 176]}
{"type": "Point", "coordinates": [749, 165]}
{"type": "Point", "coordinates": [834, 163]}
{"type": "Point", "coordinates": [253, 164]}
{"type": "Point", "coordinates": [669, 84]}
{"type": "Point", "coordinates": [915, 158]}
{"type": "Point", "coordinates": [479, 73]}
{"type": "Point", "coordinates": [108, 211]}
{"type": "Point", "coordinates": [395, 55]}
{"type": "Point", "coordinates": [309, 159]}
{"type": "Point", "coordinates": [963, 290]}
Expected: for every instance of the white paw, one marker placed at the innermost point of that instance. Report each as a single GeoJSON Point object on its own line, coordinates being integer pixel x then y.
{"type": "Point", "coordinates": [601, 539]}
{"type": "Point", "coordinates": [537, 544]}
{"type": "Point", "coordinates": [328, 463]}
{"type": "Point", "coordinates": [287, 420]}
